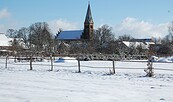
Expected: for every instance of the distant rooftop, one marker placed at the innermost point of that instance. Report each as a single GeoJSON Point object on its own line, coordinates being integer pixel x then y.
{"type": "Point", "coordinates": [4, 41]}
{"type": "Point", "coordinates": [142, 40]}
{"type": "Point", "coordinates": [70, 35]}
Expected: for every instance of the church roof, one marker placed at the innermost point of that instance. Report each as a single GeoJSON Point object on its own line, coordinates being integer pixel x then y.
{"type": "Point", "coordinates": [70, 35]}
{"type": "Point", "coordinates": [88, 18]}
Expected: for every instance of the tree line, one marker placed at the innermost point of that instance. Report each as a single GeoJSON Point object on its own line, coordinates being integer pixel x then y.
{"type": "Point", "coordinates": [104, 42]}
{"type": "Point", "coordinates": [38, 38]}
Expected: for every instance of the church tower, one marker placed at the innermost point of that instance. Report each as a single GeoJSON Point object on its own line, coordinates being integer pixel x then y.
{"type": "Point", "coordinates": [88, 25]}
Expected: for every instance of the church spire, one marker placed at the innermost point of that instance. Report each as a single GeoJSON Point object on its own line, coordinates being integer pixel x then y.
{"type": "Point", "coordinates": [88, 18]}
{"type": "Point", "coordinates": [88, 26]}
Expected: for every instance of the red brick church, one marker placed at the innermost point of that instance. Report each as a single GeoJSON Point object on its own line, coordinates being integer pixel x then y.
{"type": "Point", "coordinates": [85, 34]}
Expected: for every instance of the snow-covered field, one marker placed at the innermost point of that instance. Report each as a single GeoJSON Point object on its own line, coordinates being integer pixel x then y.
{"type": "Point", "coordinates": [64, 84]}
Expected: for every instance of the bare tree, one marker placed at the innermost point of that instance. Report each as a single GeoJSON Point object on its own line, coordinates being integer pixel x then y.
{"type": "Point", "coordinates": [168, 39]}
{"type": "Point", "coordinates": [170, 30]}
{"type": "Point", "coordinates": [164, 50]}
{"type": "Point", "coordinates": [167, 42]}
{"type": "Point", "coordinates": [23, 33]}
{"type": "Point", "coordinates": [125, 38]}
{"type": "Point", "coordinates": [40, 36]}
{"type": "Point", "coordinates": [17, 48]}
{"type": "Point", "coordinates": [103, 35]}
{"type": "Point", "coordinates": [11, 33]}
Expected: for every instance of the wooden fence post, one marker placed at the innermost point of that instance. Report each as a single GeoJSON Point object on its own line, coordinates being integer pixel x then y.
{"type": "Point", "coordinates": [30, 62]}
{"type": "Point", "coordinates": [79, 66]}
{"type": "Point", "coordinates": [15, 59]}
{"type": "Point", "coordinates": [113, 66]}
{"type": "Point", "coordinates": [51, 63]}
{"type": "Point", "coordinates": [151, 73]}
{"type": "Point", "coordinates": [6, 63]}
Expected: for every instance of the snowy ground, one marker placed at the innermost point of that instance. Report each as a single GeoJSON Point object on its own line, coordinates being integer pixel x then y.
{"type": "Point", "coordinates": [64, 84]}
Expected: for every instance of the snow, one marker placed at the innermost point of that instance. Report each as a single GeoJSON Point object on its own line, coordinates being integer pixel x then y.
{"type": "Point", "coordinates": [65, 84]}
{"type": "Point", "coordinates": [168, 59]}
{"type": "Point", "coordinates": [165, 59]}
{"type": "Point", "coordinates": [144, 44]}
{"type": "Point", "coordinates": [65, 59]}
{"type": "Point", "coordinates": [4, 41]}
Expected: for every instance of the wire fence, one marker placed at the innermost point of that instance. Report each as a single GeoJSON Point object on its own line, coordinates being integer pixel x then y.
{"type": "Point", "coordinates": [154, 62]}
{"type": "Point", "coordinates": [7, 61]}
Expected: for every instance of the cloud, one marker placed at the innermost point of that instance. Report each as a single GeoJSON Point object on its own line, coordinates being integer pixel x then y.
{"type": "Point", "coordinates": [55, 25]}
{"type": "Point", "coordinates": [8, 25]}
{"type": "Point", "coordinates": [2, 28]}
{"type": "Point", "coordinates": [4, 13]}
{"type": "Point", "coordinates": [140, 29]}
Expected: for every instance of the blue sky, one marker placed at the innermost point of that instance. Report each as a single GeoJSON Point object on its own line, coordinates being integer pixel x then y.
{"type": "Point", "coordinates": [138, 18]}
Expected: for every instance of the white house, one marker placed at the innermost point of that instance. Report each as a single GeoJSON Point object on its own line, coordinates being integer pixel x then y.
{"type": "Point", "coordinates": [144, 43]}
{"type": "Point", "coordinates": [5, 42]}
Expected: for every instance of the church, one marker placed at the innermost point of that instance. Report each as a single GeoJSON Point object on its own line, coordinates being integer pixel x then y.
{"type": "Point", "coordinates": [77, 35]}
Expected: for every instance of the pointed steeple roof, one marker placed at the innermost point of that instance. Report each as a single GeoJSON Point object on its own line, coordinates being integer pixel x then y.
{"type": "Point", "coordinates": [88, 18]}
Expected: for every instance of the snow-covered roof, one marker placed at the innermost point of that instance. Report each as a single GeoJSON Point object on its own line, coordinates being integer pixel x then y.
{"type": "Point", "coordinates": [4, 41]}
{"type": "Point", "coordinates": [143, 43]}
{"type": "Point", "coordinates": [72, 34]}
{"type": "Point", "coordinates": [127, 43]}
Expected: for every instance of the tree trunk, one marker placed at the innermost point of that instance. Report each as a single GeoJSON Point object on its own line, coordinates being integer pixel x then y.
{"type": "Point", "coordinates": [51, 62]}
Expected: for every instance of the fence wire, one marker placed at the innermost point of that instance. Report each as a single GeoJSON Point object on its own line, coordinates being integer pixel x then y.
{"type": "Point", "coordinates": [87, 66]}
